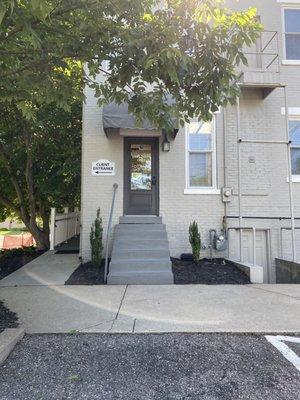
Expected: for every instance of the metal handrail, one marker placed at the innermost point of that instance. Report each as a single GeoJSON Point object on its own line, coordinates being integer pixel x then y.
{"type": "Point", "coordinates": [115, 187]}
{"type": "Point", "coordinates": [263, 47]}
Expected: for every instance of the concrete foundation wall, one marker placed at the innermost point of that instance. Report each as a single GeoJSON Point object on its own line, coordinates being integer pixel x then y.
{"type": "Point", "coordinates": [287, 271]}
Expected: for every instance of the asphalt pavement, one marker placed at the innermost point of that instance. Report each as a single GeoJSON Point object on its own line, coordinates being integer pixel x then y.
{"type": "Point", "coordinates": [148, 366]}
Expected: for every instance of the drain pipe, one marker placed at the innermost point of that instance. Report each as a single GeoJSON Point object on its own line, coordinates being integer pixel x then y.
{"type": "Point", "coordinates": [290, 174]}
{"type": "Point", "coordinates": [225, 166]}
{"type": "Point", "coordinates": [238, 129]}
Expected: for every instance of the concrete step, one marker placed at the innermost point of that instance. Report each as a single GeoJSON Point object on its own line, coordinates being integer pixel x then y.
{"type": "Point", "coordinates": [140, 229]}
{"type": "Point", "coordinates": [141, 235]}
{"type": "Point", "coordinates": [142, 254]}
{"type": "Point", "coordinates": [143, 278]}
{"type": "Point", "coordinates": [140, 219]}
{"type": "Point", "coordinates": [140, 265]}
{"type": "Point", "coordinates": [140, 244]}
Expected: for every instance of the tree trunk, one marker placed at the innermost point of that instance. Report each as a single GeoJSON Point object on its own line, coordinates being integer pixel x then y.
{"type": "Point", "coordinates": [42, 240]}
{"type": "Point", "coordinates": [41, 235]}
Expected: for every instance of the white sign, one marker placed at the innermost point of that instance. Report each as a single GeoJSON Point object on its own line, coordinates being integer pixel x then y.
{"type": "Point", "coordinates": [103, 167]}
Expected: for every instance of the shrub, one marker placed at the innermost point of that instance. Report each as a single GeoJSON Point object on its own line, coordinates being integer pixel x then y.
{"type": "Point", "coordinates": [195, 240]}
{"type": "Point", "coordinates": [96, 240]}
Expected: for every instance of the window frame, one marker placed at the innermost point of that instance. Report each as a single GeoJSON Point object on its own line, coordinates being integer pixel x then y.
{"type": "Point", "coordinates": [287, 61]}
{"type": "Point", "coordinates": [201, 189]}
{"type": "Point", "coordinates": [295, 177]}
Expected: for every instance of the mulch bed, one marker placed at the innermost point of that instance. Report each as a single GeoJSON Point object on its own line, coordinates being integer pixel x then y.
{"type": "Point", "coordinates": [8, 319]}
{"type": "Point", "coordinates": [87, 274]}
{"type": "Point", "coordinates": [208, 272]}
{"type": "Point", "coordinates": [11, 260]}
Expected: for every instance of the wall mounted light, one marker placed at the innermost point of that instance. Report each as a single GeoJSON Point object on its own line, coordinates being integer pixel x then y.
{"type": "Point", "coordinates": [165, 145]}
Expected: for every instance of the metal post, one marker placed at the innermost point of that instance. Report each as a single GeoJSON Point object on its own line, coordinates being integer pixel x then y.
{"type": "Point", "coordinates": [66, 211]}
{"type": "Point", "coordinates": [290, 175]}
{"type": "Point", "coordinates": [238, 126]}
{"type": "Point", "coordinates": [115, 187]}
{"type": "Point", "coordinates": [281, 244]}
{"type": "Point", "coordinates": [254, 247]}
{"type": "Point", "coordinates": [52, 228]}
{"type": "Point", "coordinates": [269, 254]}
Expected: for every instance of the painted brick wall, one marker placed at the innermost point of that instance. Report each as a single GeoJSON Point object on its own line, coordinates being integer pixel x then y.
{"type": "Point", "coordinates": [264, 182]}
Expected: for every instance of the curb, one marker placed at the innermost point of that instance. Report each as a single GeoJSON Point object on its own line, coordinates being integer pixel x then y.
{"type": "Point", "coordinates": [8, 339]}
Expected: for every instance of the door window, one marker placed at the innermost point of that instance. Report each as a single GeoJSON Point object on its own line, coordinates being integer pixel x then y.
{"type": "Point", "coordinates": [140, 166]}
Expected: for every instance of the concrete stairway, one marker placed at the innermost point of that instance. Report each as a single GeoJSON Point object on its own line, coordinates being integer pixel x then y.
{"type": "Point", "coordinates": [140, 254]}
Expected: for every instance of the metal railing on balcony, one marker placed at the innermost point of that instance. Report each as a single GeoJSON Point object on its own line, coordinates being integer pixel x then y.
{"type": "Point", "coordinates": [263, 55]}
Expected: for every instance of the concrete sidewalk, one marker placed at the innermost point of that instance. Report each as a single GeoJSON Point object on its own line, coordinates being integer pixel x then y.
{"type": "Point", "coordinates": [170, 308]}
{"type": "Point", "coordinates": [47, 269]}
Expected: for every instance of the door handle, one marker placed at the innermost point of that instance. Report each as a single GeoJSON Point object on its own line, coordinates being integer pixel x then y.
{"type": "Point", "coordinates": [153, 181]}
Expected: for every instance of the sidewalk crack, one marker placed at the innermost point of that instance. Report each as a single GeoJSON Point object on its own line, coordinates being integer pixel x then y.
{"type": "Point", "coordinates": [274, 292]}
{"type": "Point", "coordinates": [119, 309]}
{"type": "Point", "coordinates": [133, 327]}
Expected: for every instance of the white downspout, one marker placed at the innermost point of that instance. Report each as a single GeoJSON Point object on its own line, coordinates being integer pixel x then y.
{"type": "Point", "coordinates": [289, 162]}
{"type": "Point", "coordinates": [238, 126]}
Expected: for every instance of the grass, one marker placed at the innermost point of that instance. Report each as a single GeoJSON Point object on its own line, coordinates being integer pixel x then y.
{"type": "Point", "coordinates": [12, 231]}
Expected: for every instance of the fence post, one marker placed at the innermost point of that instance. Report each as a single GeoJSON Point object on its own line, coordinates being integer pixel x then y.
{"type": "Point", "coordinates": [52, 228]}
{"type": "Point", "coordinates": [66, 211]}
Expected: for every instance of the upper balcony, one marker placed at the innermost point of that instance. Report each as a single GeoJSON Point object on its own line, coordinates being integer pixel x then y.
{"type": "Point", "coordinates": [262, 70]}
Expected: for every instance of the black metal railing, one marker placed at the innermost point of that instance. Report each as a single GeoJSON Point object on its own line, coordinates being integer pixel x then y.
{"type": "Point", "coordinates": [263, 55]}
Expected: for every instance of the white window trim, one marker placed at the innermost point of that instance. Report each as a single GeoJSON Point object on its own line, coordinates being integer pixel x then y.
{"type": "Point", "coordinates": [201, 189]}
{"type": "Point", "coordinates": [290, 5]}
{"type": "Point", "coordinates": [295, 179]}
{"type": "Point", "coordinates": [292, 111]}
{"type": "Point", "coordinates": [288, 1]}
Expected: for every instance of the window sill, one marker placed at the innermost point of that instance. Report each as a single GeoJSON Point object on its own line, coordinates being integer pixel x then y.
{"type": "Point", "coordinates": [290, 62]}
{"type": "Point", "coordinates": [202, 191]}
{"type": "Point", "coordinates": [295, 179]}
{"type": "Point", "coordinates": [289, 1]}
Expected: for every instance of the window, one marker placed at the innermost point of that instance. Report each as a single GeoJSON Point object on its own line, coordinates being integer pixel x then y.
{"type": "Point", "coordinates": [292, 33]}
{"type": "Point", "coordinates": [294, 129]}
{"type": "Point", "coordinates": [200, 143]}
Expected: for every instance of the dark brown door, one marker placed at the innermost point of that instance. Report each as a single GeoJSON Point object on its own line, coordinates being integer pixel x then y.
{"type": "Point", "coordinates": [141, 176]}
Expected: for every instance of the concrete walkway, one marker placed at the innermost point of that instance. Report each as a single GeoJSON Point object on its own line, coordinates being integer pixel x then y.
{"type": "Point", "coordinates": [173, 308]}
{"type": "Point", "coordinates": [47, 269]}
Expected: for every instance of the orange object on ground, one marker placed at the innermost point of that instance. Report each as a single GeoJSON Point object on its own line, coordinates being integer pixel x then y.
{"type": "Point", "coordinates": [16, 241]}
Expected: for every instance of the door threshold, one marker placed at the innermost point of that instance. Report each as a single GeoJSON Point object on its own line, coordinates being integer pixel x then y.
{"type": "Point", "coordinates": [141, 215]}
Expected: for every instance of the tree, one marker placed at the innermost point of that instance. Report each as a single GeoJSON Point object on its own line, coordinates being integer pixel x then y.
{"type": "Point", "coordinates": [186, 51]}
{"type": "Point", "coordinates": [195, 240]}
{"type": "Point", "coordinates": [39, 164]}
{"type": "Point", "coordinates": [96, 240]}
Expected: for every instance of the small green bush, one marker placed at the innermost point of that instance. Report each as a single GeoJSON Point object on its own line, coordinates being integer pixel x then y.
{"type": "Point", "coordinates": [96, 240]}
{"type": "Point", "coordinates": [195, 240]}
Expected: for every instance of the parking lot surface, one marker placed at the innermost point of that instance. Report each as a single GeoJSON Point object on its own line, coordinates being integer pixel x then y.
{"type": "Point", "coordinates": [148, 366]}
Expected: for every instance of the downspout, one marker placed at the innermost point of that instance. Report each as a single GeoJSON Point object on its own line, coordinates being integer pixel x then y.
{"type": "Point", "coordinates": [290, 175]}
{"type": "Point", "coordinates": [225, 167]}
{"type": "Point", "coordinates": [238, 126]}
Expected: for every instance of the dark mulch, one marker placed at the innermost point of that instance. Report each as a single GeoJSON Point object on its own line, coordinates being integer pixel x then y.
{"type": "Point", "coordinates": [8, 319]}
{"type": "Point", "coordinates": [207, 272]}
{"type": "Point", "coordinates": [87, 274]}
{"type": "Point", "coordinates": [11, 260]}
